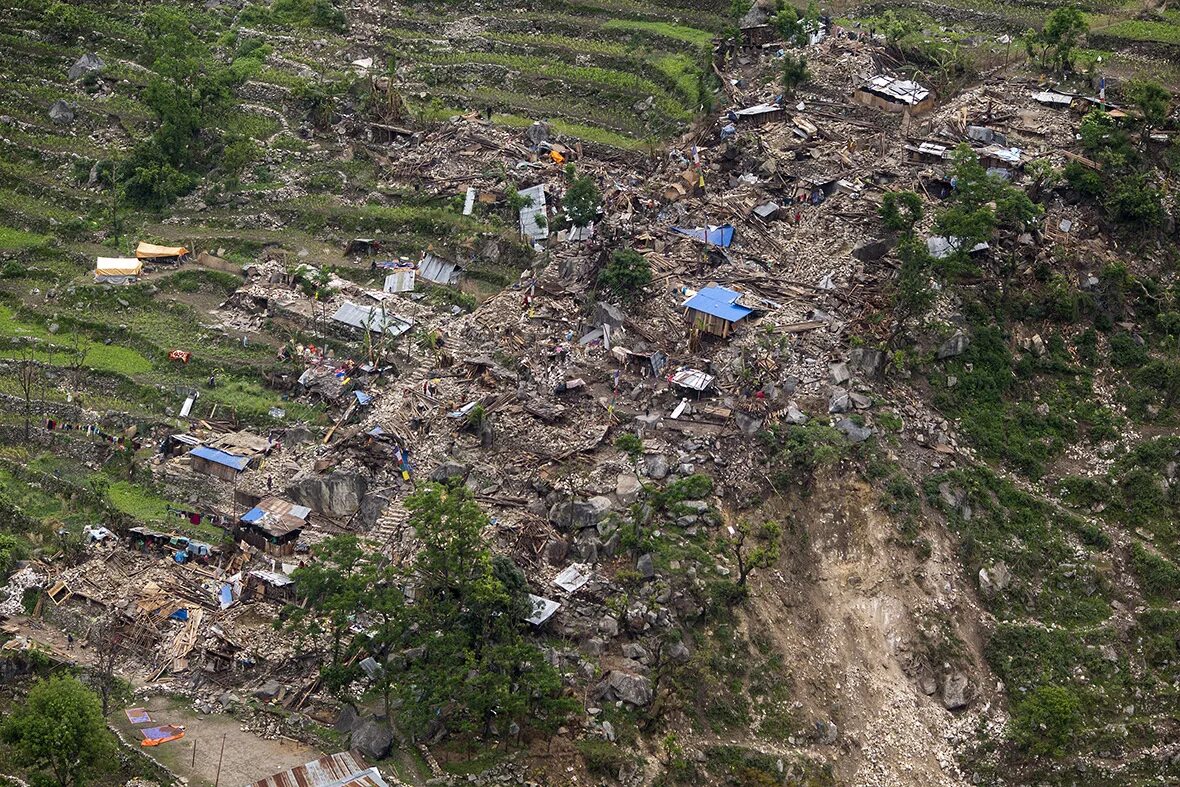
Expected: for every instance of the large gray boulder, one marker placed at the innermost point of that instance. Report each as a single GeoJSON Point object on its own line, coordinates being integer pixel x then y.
{"type": "Point", "coordinates": [628, 687]}
{"type": "Point", "coordinates": [373, 738]}
{"type": "Point", "coordinates": [867, 361]}
{"type": "Point", "coordinates": [953, 346]}
{"type": "Point", "coordinates": [579, 514]}
{"type": "Point", "coordinates": [449, 473]}
{"type": "Point", "coordinates": [954, 691]}
{"type": "Point", "coordinates": [336, 494]}
{"type": "Point", "coordinates": [89, 63]}
{"type": "Point", "coordinates": [854, 431]}
{"type": "Point", "coordinates": [61, 113]}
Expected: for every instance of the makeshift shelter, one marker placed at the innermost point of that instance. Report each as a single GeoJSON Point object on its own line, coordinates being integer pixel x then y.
{"type": "Point", "coordinates": [759, 35]}
{"type": "Point", "coordinates": [273, 526]}
{"type": "Point", "coordinates": [716, 310]}
{"type": "Point", "coordinates": [164, 254]}
{"type": "Point", "coordinates": [221, 464]}
{"type": "Point", "coordinates": [117, 270]}
{"type": "Point", "coordinates": [757, 115]}
{"type": "Point", "coordinates": [894, 95]}
{"type": "Point", "coordinates": [269, 584]}
{"type": "Point", "coordinates": [713, 235]}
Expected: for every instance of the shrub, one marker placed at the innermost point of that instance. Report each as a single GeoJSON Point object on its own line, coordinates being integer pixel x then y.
{"type": "Point", "coordinates": [602, 757]}
{"type": "Point", "coordinates": [1159, 576]}
{"type": "Point", "coordinates": [1134, 202]}
{"type": "Point", "coordinates": [1046, 721]}
{"type": "Point", "coordinates": [629, 444]}
{"type": "Point", "coordinates": [626, 275]}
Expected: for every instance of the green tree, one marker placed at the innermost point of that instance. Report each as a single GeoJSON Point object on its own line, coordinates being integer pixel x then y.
{"type": "Point", "coordinates": [1152, 99]}
{"type": "Point", "coordinates": [1055, 43]}
{"type": "Point", "coordinates": [755, 547]}
{"type": "Point", "coordinates": [59, 731]}
{"type": "Point", "coordinates": [626, 275]}
{"type": "Point", "coordinates": [795, 72]}
{"type": "Point", "coordinates": [895, 27]}
{"type": "Point", "coordinates": [791, 27]}
{"type": "Point", "coordinates": [581, 199]}
{"type": "Point", "coordinates": [471, 662]}
{"type": "Point", "coordinates": [900, 211]}
{"type": "Point", "coordinates": [912, 295]}
{"type": "Point", "coordinates": [1135, 202]}
{"type": "Point", "coordinates": [1046, 722]}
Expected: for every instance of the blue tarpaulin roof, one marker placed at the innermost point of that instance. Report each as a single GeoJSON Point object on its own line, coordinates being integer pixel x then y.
{"type": "Point", "coordinates": [717, 236]}
{"type": "Point", "coordinates": [221, 457]}
{"type": "Point", "coordinates": [253, 515]}
{"type": "Point", "coordinates": [719, 302]}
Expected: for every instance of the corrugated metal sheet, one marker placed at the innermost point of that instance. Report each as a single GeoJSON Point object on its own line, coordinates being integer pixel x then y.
{"type": "Point", "coordinates": [221, 457]}
{"type": "Point", "coordinates": [401, 280]}
{"type": "Point", "coordinates": [529, 226]}
{"type": "Point", "coordinates": [437, 270]}
{"type": "Point", "coordinates": [344, 769]}
{"type": "Point", "coordinates": [903, 90]}
{"type": "Point", "coordinates": [371, 318]}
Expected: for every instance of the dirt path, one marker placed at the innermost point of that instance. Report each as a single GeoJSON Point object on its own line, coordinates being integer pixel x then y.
{"type": "Point", "coordinates": [246, 757]}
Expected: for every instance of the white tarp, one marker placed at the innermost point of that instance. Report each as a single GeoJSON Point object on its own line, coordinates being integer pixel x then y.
{"type": "Point", "coordinates": [530, 226]}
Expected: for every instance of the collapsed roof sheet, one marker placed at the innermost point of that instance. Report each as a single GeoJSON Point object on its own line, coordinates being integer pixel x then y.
{"type": "Point", "coordinates": [542, 609]}
{"type": "Point", "coordinates": [757, 109]}
{"type": "Point", "coordinates": [692, 378]}
{"type": "Point", "coordinates": [530, 227]}
{"type": "Point", "coordinates": [437, 270]}
{"type": "Point", "coordinates": [372, 318]}
{"type": "Point", "coordinates": [904, 90]}
{"type": "Point", "coordinates": [343, 769]}
{"type": "Point", "coordinates": [401, 280]}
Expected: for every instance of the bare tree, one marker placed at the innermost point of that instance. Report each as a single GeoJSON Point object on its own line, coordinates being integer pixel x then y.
{"type": "Point", "coordinates": [107, 641]}
{"type": "Point", "coordinates": [28, 374]}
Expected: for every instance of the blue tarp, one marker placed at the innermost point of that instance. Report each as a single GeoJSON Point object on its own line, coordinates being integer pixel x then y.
{"type": "Point", "coordinates": [253, 515]}
{"type": "Point", "coordinates": [226, 596]}
{"type": "Point", "coordinates": [718, 302]}
{"type": "Point", "coordinates": [362, 398]}
{"type": "Point", "coordinates": [717, 235]}
{"type": "Point", "coordinates": [221, 457]}
{"type": "Point", "coordinates": [180, 614]}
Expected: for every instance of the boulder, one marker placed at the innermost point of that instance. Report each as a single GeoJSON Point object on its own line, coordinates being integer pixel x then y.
{"type": "Point", "coordinates": [268, 690]}
{"type": "Point", "coordinates": [854, 432]}
{"type": "Point", "coordinates": [747, 424]}
{"type": "Point", "coordinates": [555, 551]}
{"type": "Point", "coordinates": [627, 488]}
{"type": "Point", "coordinates": [579, 514]}
{"type": "Point", "coordinates": [795, 416]}
{"type": "Point", "coordinates": [995, 578]}
{"type": "Point", "coordinates": [657, 466]}
{"type": "Point", "coordinates": [347, 720]}
{"type": "Point", "coordinates": [872, 250]}
{"type": "Point", "coordinates": [840, 402]}
{"type": "Point", "coordinates": [62, 113]}
{"type": "Point", "coordinates": [867, 361]}
{"type": "Point", "coordinates": [372, 738]}
{"type": "Point", "coordinates": [336, 494]}
{"type": "Point", "coordinates": [838, 373]}
{"type": "Point", "coordinates": [449, 473]}
{"type": "Point", "coordinates": [954, 691]}
{"type": "Point", "coordinates": [645, 566]}
{"type": "Point", "coordinates": [537, 133]}
{"type": "Point", "coordinates": [89, 63]}
{"type": "Point", "coordinates": [627, 687]}
{"type": "Point", "coordinates": [607, 314]}
{"type": "Point", "coordinates": [953, 346]}
{"type": "Point", "coordinates": [678, 652]}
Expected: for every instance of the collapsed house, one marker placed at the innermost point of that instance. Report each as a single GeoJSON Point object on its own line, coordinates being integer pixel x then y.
{"type": "Point", "coordinates": [894, 95]}
{"type": "Point", "coordinates": [273, 526]}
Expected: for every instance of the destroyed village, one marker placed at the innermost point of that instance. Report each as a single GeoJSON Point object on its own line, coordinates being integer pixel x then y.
{"type": "Point", "coordinates": [592, 393]}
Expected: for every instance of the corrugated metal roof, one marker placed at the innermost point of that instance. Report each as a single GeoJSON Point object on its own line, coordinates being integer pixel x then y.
{"type": "Point", "coordinates": [401, 280]}
{"type": "Point", "coordinates": [692, 378]}
{"type": "Point", "coordinates": [904, 90]}
{"type": "Point", "coordinates": [718, 302]}
{"type": "Point", "coordinates": [372, 318]}
{"type": "Point", "coordinates": [529, 227]}
{"type": "Point", "coordinates": [343, 769]}
{"type": "Point", "coordinates": [437, 270]}
{"type": "Point", "coordinates": [221, 457]}
{"type": "Point", "coordinates": [757, 109]}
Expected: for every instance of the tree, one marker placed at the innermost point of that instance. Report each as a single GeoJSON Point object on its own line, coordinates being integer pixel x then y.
{"type": "Point", "coordinates": [900, 211]}
{"type": "Point", "coordinates": [912, 295]}
{"type": "Point", "coordinates": [795, 72]}
{"type": "Point", "coordinates": [896, 27]}
{"type": "Point", "coordinates": [755, 548]}
{"type": "Point", "coordinates": [471, 663]}
{"type": "Point", "coordinates": [1152, 100]}
{"type": "Point", "coordinates": [626, 275]}
{"type": "Point", "coordinates": [581, 199]}
{"type": "Point", "coordinates": [791, 26]}
{"type": "Point", "coordinates": [106, 640]}
{"type": "Point", "coordinates": [1134, 201]}
{"type": "Point", "coordinates": [1046, 721]}
{"type": "Point", "coordinates": [59, 730]}
{"type": "Point", "coordinates": [1055, 43]}
{"type": "Point", "coordinates": [28, 373]}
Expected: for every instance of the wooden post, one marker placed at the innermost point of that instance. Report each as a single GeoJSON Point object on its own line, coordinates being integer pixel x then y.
{"type": "Point", "coordinates": [193, 764]}
{"type": "Point", "coordinates": [217, 779]}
